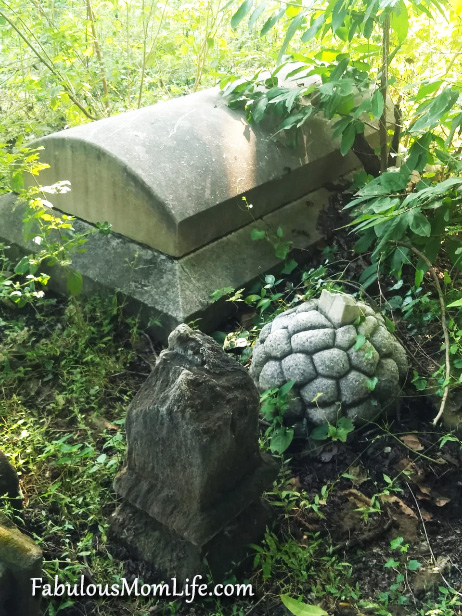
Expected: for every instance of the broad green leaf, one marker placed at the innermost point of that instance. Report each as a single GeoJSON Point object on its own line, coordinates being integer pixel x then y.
{"type": "Point", "coordinates": [455, 304]}
{"type": "Point", "coordinates": [413, 565]}
{"type": "Point", "coordinates": [291, 30]}
{"type": "Point", "coordinates": [399, 21]}
{"type": "Point", "coordinates": [320, 433]}
{"type": "Point", "coordinates": [377, 104]}
{"type": "Point", "coordinates": [314, 28]}
{"type": "Point", "coordinates": [257, 234]}
{"type": "Point", "coordinates": [419, 224]}
{"type": "Point", "coordinates": [369, 276]}
{"type": "Point", "coordinates": [371, 383]}
{"type": "Point", "coordinates": [241, 12]}
{"type": "Point", "coordinates": [393, 181]}
{"type": "Point", "coordinates": [297, 608]}
{"type": "Point", "coordinates": [418, 277]}
{"type": "Point", "coordinates": [338, 15]}
{"type": "Point", "coordinates": [272, 21]}
{"type": "Point", "coordinates": [396, 542]}
{"type": "Point", "coordinates": [17, 181]}
{"type": "Point", "coordinates": [371, 9]}
{"type": "Point", "coordinates": [259, 108]}
{"type": "Point", "coordinates": [435, 110]}
{"type": "Point", "coordinates": [284, 390]}
{"type": "Point", "coordinates": [348, 139]}
{"type": "Point", "coordinates": [289, 267]}
{"type": "Point", "coordinates": [257, 13]}
{"type": "Point", "coordinates": [360, 342]}
{"type": "Point", "coordinates": [281, 439]}
{"type": "Point", "coordinates": [23, 266]}
{"type": "Point", "coordinates": [74, 282]}
{"type": "Point", "coordinates": [428, 88]}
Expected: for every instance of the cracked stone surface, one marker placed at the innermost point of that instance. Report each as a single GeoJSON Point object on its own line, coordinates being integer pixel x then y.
{"type": "Point", "coordinates": [313, 345]}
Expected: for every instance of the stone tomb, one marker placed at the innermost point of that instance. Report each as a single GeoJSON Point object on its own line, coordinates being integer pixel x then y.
{"type": "Point", "coordinates": [171, 178]}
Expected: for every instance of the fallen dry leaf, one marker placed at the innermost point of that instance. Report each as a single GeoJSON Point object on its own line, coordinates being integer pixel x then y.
{"type": "Point", "coordinates": [411, 441]}
{"type": "Point", "coordinates": [358, 497]}
{"type": "Point", "coordinates": [394, 500]}
{"type": "Point", "coordinates": [423, 489]}
{"type": "Point", "coordinates": [426, 515]}
{"type": "Point", "coordinates": [442, 501]}
{"type": "Point", "coordinates": [294, 483]}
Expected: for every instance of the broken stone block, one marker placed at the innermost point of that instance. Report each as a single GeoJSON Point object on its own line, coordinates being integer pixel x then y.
{"type": "Point", "coordinates": [343, 360]}
{"type": "Point", "coordinates": [194, 475]}
{"type": "Point", "coordinates": [20, 560]}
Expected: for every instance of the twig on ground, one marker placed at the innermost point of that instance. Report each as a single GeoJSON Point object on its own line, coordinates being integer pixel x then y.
{"type": "Point", "coordinates": [364, 538]}
{"type": "Point", "coordinates": [443, 323]}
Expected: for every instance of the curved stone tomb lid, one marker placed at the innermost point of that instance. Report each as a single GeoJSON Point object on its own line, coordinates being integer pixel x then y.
{"type": "Point", "coordinates": [172, 175]}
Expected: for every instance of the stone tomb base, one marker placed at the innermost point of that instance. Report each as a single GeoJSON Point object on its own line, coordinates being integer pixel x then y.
{"type": "Point", "coordinates": [169, 290]}
{"type": "Point", "coordinates": [148, 540]}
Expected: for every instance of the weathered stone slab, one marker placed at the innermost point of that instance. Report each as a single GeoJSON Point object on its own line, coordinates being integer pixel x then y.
{"type": "Point", "coordinates": [193, 462]}
{"type": "Point", "coordinates": [172, 175]}
{"type": "Point", "coordinates": [175, 291]}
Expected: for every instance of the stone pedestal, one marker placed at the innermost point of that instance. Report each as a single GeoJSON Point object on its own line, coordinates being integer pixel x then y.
{"type": "Point", "coordinates": [194, 473]}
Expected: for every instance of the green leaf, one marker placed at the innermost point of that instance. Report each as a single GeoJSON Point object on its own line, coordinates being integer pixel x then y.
{"type": "Point", "coordinates": [455, 304]}
{"type": "Point", "coordinates": [17, 181]}
{"type": "Point", "coordinates": [419, 224]}
{"type": "Point", "coordinates": [338, 15]}
{"type": "Point", "coordinates": [418, 277]}
{"type": "Point", "coordinates": [257, 234]}
{"type": "Point", "coordinates": [399, 21]}
{"type": "Point", "coordinates": [396, 542]}
{"type": "Point", "coordinates": [289, 267]}
{"type": "Point", "coordinates": [314, 28]}
{"type": "Point", "coordinates": [391, 562]}
{"type": "Point", "coordinates": [291, 30]}
{"type": "Point", "coordinates": [413, 565]}
{"type": "Point", "coordinates": [281, 439]}
{"type": "Point", "coordinates": [320, 433]}
{"type": "Point", "coordinates": [435, 110]}
{"type": "Point", "coordinates": [377, 104]}
{"type": "Point", "coordinates": [23, 266]}
{"type": "Point", "coordinates": [272, 21]}
{"type": "Point", "coordinates": [371, 383]}
{"type": "Point", "coordinates": [393, 181]}
{"type": "Point", "coordinates": [343, 429]}
{"type": "Point", "coordinates": [360, 341]}
{"type": "Point", "coordinates": [259, 108]}
{"type": "Point", "coordinates": [74, 282]}
{"type": "Point", "coordinates": [241, 12]}
{"type": "Point", "coordinates": [298, 608]}
{"type": "Point", "coordinates": [284, 390]}
{"type": "Point", "coordinates": [348, 139]}
{"type": "Point", "coordinates": [256, 14]}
